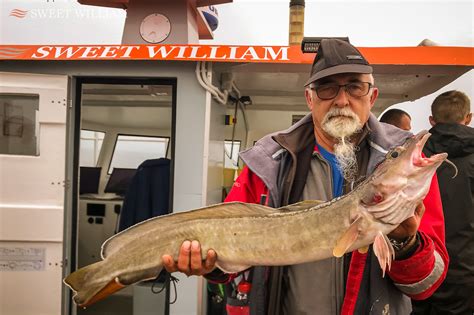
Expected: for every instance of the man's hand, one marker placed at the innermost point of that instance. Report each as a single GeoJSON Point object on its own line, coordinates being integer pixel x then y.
{"type": "Point", "coordinates": [409, 226]}
{"type": "Point", "coordinates": [190, 261]}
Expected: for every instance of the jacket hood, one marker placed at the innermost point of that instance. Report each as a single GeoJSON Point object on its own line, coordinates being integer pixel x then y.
{"type": "Point", "coordinates": [455, 139]}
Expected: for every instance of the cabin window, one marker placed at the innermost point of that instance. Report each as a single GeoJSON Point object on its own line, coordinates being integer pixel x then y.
{"type": "Point", "coordinates": [19, 126]}
{"type": "Point", "coordinates": [231, 154]}
{"type": "Point", "coordinates": [131, 151]}
{"type": "Point", "coordinates": [91, 144]}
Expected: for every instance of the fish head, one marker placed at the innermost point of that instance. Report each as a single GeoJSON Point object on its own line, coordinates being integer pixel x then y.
{"type": "Point", "coordinates": [402, 180]}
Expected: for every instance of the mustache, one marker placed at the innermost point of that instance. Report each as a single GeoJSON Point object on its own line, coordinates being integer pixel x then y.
{"type": "Point", "coordinates": [335, 112]}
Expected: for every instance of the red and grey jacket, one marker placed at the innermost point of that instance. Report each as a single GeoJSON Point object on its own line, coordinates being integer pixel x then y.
{"type": "Point", "coordinates": [272, 171]}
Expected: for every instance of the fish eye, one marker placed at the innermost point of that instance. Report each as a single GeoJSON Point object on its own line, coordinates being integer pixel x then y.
{"type": "Point", "coordinates": [395, 152]}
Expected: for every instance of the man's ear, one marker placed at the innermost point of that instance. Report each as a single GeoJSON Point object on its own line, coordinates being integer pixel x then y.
{"type": "Point", "coordinates": [432, 121]}
{"type": "Point", "coordinates": [373, 97]}
{"type": "Point", "coordinates": [309, 98]}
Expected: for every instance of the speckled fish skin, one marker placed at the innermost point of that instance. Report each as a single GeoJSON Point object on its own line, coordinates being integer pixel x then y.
{"type": "Point", "coordinates": [245, 235]}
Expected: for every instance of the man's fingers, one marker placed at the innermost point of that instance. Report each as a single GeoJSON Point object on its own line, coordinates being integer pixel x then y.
{"type": "Point", "coordinates": [183, 258]}
{"type": "Point", "coordinates": [420, 210]}
{"type": "Point", "coordinates": [196, 260]}
{"type": "Point", "coordinates": [169, 263]}
{"type": "Point", "coordinates": [190, 260]}
{"type": "Point", "coordinates": [210, 262]}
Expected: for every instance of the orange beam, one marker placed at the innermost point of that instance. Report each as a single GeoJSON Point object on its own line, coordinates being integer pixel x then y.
{"type": "Point", "coordinates": [454, 56]}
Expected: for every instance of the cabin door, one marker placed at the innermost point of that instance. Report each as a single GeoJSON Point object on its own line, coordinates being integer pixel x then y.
{"type": "Point", "coordinates": [33, 112]}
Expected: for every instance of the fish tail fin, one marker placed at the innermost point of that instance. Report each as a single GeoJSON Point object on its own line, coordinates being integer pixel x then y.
{"type": "Point", "coordinates": [384, 251]}
{"type": "Point", "coordinates": [90, 285]}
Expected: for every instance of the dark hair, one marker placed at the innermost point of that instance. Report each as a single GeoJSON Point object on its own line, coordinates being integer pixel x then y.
{"type": "Point", "coordinates": [450, 107]}
{"type": "Point", "coordinates": [393, 116]}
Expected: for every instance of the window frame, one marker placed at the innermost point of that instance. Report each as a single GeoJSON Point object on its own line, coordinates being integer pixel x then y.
{"type": "Point", "coordinates": [110, 169]}
{"type": "Point", "coordinates": [36, 124]}
{"type": "Point", "coordinates": [230, 158]}
{"type": "Point", "coordinates": [100, 150]}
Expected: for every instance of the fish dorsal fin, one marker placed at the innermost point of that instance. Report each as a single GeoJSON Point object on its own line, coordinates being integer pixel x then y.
{"type": "Point", "coordinates": [303, 205]}
{"type": "Point", "coordinates": [161, 223]}
{"type": "Point", "coordinates": [347, 239]}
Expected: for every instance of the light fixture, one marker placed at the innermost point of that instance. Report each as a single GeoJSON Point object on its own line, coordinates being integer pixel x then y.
{"type": "Point", "coordinates": [311, 44]}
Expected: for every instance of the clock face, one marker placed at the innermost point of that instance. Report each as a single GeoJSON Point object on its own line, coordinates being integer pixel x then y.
{"type": "Point", "coordinates": [155, 28]}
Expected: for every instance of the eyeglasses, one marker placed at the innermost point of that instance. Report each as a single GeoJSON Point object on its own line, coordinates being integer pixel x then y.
{"type": "Point", "coordinates": [330, 91]}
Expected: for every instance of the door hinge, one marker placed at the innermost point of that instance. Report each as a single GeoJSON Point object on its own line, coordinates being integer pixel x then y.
{"type": "Point", "coordinates": [66, 184]}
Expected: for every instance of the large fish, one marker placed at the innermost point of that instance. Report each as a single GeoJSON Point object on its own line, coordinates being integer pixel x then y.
{"type": "Point", "coordinates": [245, 235]}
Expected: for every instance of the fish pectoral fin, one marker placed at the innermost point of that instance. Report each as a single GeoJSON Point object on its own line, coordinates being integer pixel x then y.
{"type": "Point", "coordinates": [303, 205]}
{"type": "Point", "coordinates": [347, 239]}
{"type": "Point", "coordinates": [228, 267]}
{"type": "Point", "coordinates": [384, 251]}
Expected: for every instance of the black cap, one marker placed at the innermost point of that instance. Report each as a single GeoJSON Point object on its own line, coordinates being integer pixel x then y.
{"type": "Point", "coordinates": [336, 56]}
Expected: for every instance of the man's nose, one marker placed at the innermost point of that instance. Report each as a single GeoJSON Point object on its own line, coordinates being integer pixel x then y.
{"type": "Point", "coordinates": [341, 99]}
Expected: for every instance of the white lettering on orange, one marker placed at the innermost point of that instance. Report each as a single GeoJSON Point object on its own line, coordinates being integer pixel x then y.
{"type": "Point", "coordinates": [70, 51]}
{"type": "Point", "coordinates": [194, 51]}
{"type": "Point", "coordinates": [250, 52]}
{"type": "Point", "coordinates": [89, 52]}
{"type": "Point", "coordinates": [274, 55]}
{"type": "Point", "coordinates": [233, 52]}
{"type": "Point", "coordinates": [44, 51]}
{"type": "Point", "coordinates": [112, 50]}
{"type": "Point", "coordinates": [213, 53]}
{"type": "Point", "coordinates": [128, 50]}
{"type": "Point", "coordinates": [182, 50]}
{"type": "Point", "coordinates": [162, 51]}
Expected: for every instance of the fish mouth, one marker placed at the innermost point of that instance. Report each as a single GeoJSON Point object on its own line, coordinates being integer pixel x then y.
{"type": "Point", "coordinates": [417, 156]}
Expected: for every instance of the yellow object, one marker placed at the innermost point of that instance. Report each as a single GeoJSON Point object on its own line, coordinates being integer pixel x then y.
{"type": "Point", "coordinates": [229, 174]}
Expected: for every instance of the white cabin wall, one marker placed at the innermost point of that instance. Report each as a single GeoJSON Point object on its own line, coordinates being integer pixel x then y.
{"type": "Point", "coordinates": [32, 203]}
{"type": "Point", "coordinates": [189, 147]}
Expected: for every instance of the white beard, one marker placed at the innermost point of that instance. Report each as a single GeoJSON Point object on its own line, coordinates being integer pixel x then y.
{"type": "Point", "coordinates": [342, 128]}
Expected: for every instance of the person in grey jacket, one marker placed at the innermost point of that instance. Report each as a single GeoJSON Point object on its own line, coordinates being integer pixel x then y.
{"type": "Point", "coordinates": [451, 115]}
{"type": "Point", "coordinates": [323, 156]}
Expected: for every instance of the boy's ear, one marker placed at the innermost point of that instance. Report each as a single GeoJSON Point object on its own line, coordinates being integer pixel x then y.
{"type": "Point", "coordinates": [432, 121]}
{"type": "Point", "coordinates": [468, 118]}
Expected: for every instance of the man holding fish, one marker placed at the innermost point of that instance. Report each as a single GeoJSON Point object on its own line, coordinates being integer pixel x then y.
{"type": "Point", "coordinates": [323, 156]}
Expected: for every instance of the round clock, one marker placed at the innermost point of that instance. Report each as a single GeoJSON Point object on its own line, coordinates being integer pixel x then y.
{"type": "Point", "coordinates": [155, 28]}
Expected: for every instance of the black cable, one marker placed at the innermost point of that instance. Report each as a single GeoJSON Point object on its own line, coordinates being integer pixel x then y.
{"type": "Point", "coordinates": [169, 278]}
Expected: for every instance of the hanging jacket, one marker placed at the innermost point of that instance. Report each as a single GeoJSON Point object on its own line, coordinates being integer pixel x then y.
{"type": "Point", "coordinates": [148, 194]}
{"type": "Point", "coordinates": [276, 169]}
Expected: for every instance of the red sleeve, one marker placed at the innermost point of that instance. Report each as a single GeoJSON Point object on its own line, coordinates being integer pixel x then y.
{"type": "Point", "coordinates": [248, 187]}
{"type": "Point", "coordinates": [421, 274]}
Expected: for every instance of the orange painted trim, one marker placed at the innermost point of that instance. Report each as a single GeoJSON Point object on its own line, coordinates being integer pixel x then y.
{"type": "Point", "coordinates": [456, 56]}
{"type": "Point", "coordinates": [435, 55]}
